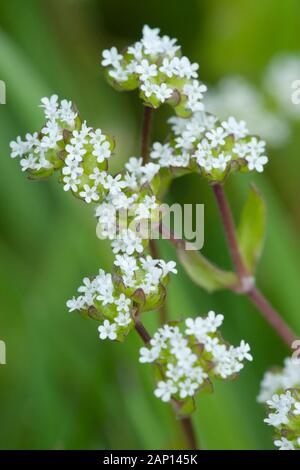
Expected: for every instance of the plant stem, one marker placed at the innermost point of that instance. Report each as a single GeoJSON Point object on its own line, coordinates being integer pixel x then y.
{"type": "Point", "coordinates": [271, 315]}
{"type": "Point", "coordinates": [186, 422]}
{"type": "Point", "coordinates": [230, 232]}
{"type": "Point", "coordinates": [248, 288]}
{"type": "Point", "coordinates": [188, 429]}
{"type": "Point", "coordinates": [146, 133]}
{"type": "Point", "coordinates": [145, 141]}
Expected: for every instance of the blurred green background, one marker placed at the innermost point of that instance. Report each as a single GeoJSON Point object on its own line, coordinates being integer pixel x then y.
{"type": "Point", "coordinates": [63, 388]}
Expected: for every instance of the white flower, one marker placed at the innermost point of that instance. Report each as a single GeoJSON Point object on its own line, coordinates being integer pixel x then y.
{"type": "Point", "coordinates": [89, 194]}
{"type": "Point", "coordinates": [165, 390]}
{"type": "Point", "coordinates": [216, 136]}
{"type": "Point", "coordinates": [284, 444]}
{"type": "Point", "coordinates": [220, 162]}
{"type": "Point", "coordinates": [98, 176]}
{"type": "Point", "coordinates": [111, 57]}
{"type": "Point", "coordinates": [168, 67]}
{"type": "Point", "coordinates": [163, 153]}
{"type": "Point", "coordinates": [185, 68]}
{"type": "Point", "coordinates": [238, 129]}
{"type": "Point", "coordinates": [297, 409]}
{"type": "Point", "coordinates": [71, 182]}
{"type": "Point", "coordinates": [163, 92]}
{"type": "Point", "coordinates": [114, 184]}
{"type": "Point", "coordinates": [243, 351]}
{"type": "Point", "coordinates": [136, 50]}
{"type": "Point", "coordinates": [256, 147]}
{"type": "Point", "coordinates": [119, 74]}
{"type": "Point", "coordinates": [127, 242]}
{"type": "Point", "coordinates": [122, 303]}
{"type": "Point", "coordinates": [167, 267]}
{"type": "Point", "coordinates": [241, 149]}
{"type": "Point", "coordinates": [146, 70]}
{"type": "Point", "coordinates": [148, 88]}
{"type": "Point", "coordinates": [134, 165]}
{"type": "Point", "coordinates": [149, 171]}
{"type": "Point", "coordinates": [50, 106]}
{"type": "Point", "coordinates": [123, 319]}
{"type": "Point", "coordinates": [149, 354]}
{"type": "Point", "coordinates": [29, 163]}
{"type": "Point", "coordinates": [107, 330]}
{"type": "Point", "coordinates": [256, 162]}
{"type": "Point", "coordinates": [19, 148]}
{"type": "Point", "coordinates": [75, 303]}
{"type": "Point", "coordinates": [102, 151]}
{"type": "Point", "coordinates": [187, 388]}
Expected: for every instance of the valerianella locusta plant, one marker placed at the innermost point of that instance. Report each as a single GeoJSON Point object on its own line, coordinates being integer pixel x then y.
{"type": "Point", "coordinates": [156, 67]}
{"type": "Point", "coordinates": [187, 356]}
{"type": "Point", "coordinates": [280, 391]}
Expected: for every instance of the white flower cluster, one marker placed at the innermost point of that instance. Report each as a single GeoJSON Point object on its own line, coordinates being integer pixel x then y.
{"type": "Point", "coordinates": [67, 144]}
{"type": "Point", "coordinates": [100, 299]}
{"type": "Point", "coordinates": [280, 391]}
{"type": "Point", "coordinates": [110, 298]}
{"type": "Point", "coordinates": [156, 66]}
{"type": "Point", "coordinates": [280, 379]}
{"type": "Point", "coordinates": [285, 417]}
{"type": "Point", "coordinates": [188, 361]}
{"type": "Point", "coordinates": [216, 148]}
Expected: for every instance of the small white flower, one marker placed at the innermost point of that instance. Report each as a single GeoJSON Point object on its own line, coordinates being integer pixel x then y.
{"type": "Point", "coordinates": [89, 194]}
{"type": "Point", "coordinates": [284, 444]}
{"type": "Point", "coordinates": [165, 390]}
{"type": "Point", "coordinates": [297, 409]}
{"type": "Point", "coordinates": [256, 162]}
{"type": "Point", "coordinates": [238, 129]}
{"type": "Point", "coordinates": [111, 57]}
{"type": "Point", "coordinates": [123, 319]}
{"type": "Point", "coordinates": [187, 388]}
{"type": "Point", "coordinates": [107, 330]}
{"type": "Point", "coordinates": [163, 92]}
{"type": "Point", "coordinates": [71, 182]}
{"type": "Point", "coordinates": [216, 136]}
{"type": "Point", "coordinates": [122, 303]}
{"type": "Point", "coordinates": [146, 70]}
{"type": "Point", "coordinates": [149, 354]}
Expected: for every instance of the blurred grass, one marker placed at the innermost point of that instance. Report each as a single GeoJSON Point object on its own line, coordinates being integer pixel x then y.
{"type": "Point", "coordinates": [61, 387]}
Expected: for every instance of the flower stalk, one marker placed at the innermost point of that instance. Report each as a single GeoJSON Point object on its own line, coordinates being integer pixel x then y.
{"type": "Point", "coordinates": [247, 283]}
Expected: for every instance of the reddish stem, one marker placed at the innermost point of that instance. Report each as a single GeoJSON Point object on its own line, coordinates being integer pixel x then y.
{"type": "Point", "coordinates": [248, 288]}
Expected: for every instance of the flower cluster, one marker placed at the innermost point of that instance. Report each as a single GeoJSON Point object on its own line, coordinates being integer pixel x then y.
{"type": "Point", "coordinates": [112, 298]}
{"type": "Point", "coordinates": [285, 417]}
{"type": "Point", "coordinates": [156, 67]}
{"type": "Point", "coordinates": [280, 391]}
{"type": "Point", "coordinates": [189, 360]}
{"type": "Point", "coordinates": [67, 144]}
{"type": "Point", "coordinates": [214, 148]}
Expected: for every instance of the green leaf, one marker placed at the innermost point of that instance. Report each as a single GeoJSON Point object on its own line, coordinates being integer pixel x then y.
{"type": "Point", "coordinates": [204, 273]}
{"type": "Point", "coordinates": [251, 230]}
